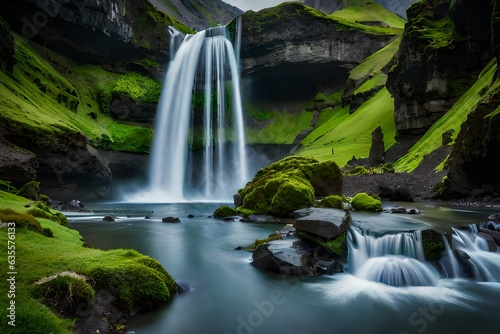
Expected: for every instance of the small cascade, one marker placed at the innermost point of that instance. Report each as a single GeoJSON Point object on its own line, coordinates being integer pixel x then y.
{"type": "Point", "coordinates": [198, 150]}
{"type": "Point", "coordinates": [398, 259]}
{"type": "Point", "coordinates": [475, 259]}
{"type": "Point", "coordinates": [392, 259]}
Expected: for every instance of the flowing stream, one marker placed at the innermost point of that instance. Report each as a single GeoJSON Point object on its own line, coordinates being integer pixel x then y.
{"type": "Point", "coordinates": [387, 286]}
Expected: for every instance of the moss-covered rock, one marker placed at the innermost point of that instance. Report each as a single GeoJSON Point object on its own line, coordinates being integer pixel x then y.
{"type": "Point", "coordinates": [138, 285]}
{"type": "Point", "coordinates": [332, 201]}
{"type": "Point", "coordinates": [290, 184]}
{"type": "Point", "coordinates": [291, 195]}
{"type": "Point", "coordinates": [365, 202]}
{"type": "Point", "coordinates": [30, 190]}
{"type": "Point", "coordinates": [225, 211]}
{"type": "Point", "coordinates": [433, 244]}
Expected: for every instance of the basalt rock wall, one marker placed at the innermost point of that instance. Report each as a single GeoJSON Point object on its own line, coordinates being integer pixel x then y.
{"type": "Point", "coordinates": [294, 50]}
{"type": "Point", "coordinates": [444, 47]}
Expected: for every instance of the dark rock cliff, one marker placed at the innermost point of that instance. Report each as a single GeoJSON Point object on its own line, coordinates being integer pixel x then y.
{"type": "Point", "coordinates": [93, 31]}
{"type": "Point", "coordinates": [327, 6]}
{"type": "Point", "coordinates": [473, 163]}
{"type": "Point", "coordinates": [444, 48]}
{"type": "Point", "coordinates": [292, 50]}
{"type": "Point", "coordinates": [199, 14]}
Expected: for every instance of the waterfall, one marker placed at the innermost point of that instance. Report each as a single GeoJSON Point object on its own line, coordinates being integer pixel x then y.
{"type": "Point", "coordinates": [392, 259]}
{"type": "Point", "coordinates": [198, 150]}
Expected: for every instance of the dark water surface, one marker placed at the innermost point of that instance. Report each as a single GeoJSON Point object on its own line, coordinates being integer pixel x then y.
{"type": "Point", "coordinates": [229, 295]}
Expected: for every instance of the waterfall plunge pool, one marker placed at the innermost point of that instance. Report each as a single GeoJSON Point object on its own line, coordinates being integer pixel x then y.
{"type": "Point", "coordinates": [229, 295]}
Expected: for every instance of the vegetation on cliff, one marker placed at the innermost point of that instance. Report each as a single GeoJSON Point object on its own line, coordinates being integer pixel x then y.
{"type": "Point", "coordinates": [56, 96]}
{"type": "Point", "coordinates": [486, 84]}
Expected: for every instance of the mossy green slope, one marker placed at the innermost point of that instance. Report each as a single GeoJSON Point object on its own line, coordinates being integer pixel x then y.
{"type": "Point", "coordinates": [370, 17]}
{"type": "Point", "coordinates": [38, 97]}
{"type": "Point", "coordinates": [348, 134]}
{"type": "Point", "coordinates": [138, 279]}
{"type": "Point", "coordinates": [486, 84]}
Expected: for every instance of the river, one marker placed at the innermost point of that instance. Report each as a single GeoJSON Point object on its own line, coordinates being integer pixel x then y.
{"type": "Point", "coordinates": [229, 295]}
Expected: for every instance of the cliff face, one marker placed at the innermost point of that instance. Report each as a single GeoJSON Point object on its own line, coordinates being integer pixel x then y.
{"type": "Point", "coordinates": [327, 6]}
{"type": "Point", "coordinates": [291, 50]}
{"type": "Point", "coordinates": [443, 49]}
{"type": "Point", "coordinates": [102, 31]}
{"type": "Point", "coordinates": [199, 14]}
{"type": "Point", "coordinates": [473, 166]}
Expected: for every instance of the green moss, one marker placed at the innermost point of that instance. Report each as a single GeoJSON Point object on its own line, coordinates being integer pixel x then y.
{"type": "Point", "coordinates": [336, 245]}
{"type": "Point", "coordinates": [332, 201]}
{"type": "Point", "coordinates": [137, 285]}
{"type": "Point", "coordinates": [365, 202]}
{"type": "Point", "coordinates": [433, 245]}
{"type": "Point", "coordinates": [257, 242]}
{"type": "Point", "coordinates": [45, 102]}
{"type": "Point", "coordinates": [30, 190]}
{"type": "Point", "coordinates": [288, 185]}
{"type": "Point", "coordinates": [291, 195]}
{"type": "Point", "coordinates": [225, 211]}
{"type": "Point", "coordinates": [141, 89]}
{"type": "Point", "coordinates": [423, 26]}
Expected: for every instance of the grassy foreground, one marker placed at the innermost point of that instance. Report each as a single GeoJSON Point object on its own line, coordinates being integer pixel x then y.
{"type": "Point", "coordinates": [138, 279]}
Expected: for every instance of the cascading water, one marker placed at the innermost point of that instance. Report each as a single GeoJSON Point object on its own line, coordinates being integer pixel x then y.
{"type": "Point", "coordinates": [198, 150]}
{"type": "Point", "coordinates": [398, 259]}
{"type": "Point", "coordinates": [393, 259]}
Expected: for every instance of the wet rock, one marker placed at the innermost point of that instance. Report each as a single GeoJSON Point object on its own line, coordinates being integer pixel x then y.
{"type": "Point", "coordinates": [489, 240]}
{"type": "Point", "coordinates": [170, 219]}
{"type": "Point", "coordinates": [183, 287]}
{"type": "Point", "coordinates": [109, 218]}
{"type": "Point", "coordinates": [286, 257]}
{"type": "Point", "coordinates": [494, 217]}
{"type": "Point", "coordinates": [321, 224]}
{"type": "Point", "coordinates": [403, 210]}
{"type": "Point", "coordinates": [494, 234]}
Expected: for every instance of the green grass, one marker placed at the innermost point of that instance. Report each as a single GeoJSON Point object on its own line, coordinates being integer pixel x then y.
{"type": "Point", "coordinates": [281, 127]}
{"type": "Point", "coordinates": [40, 99]}
{"type": "Point", "coordinates": [350, 134]}
{"type": "Point", "coordinates": [138, 278]}
{"type": "Point", "coordinates": [360, 14]}
{"type": "Point", "coordinates": [452, 120]}
{"type": "Point", "coordinates": [378, 80]}
{"type": "Point", "coordinates": [374, 63]}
